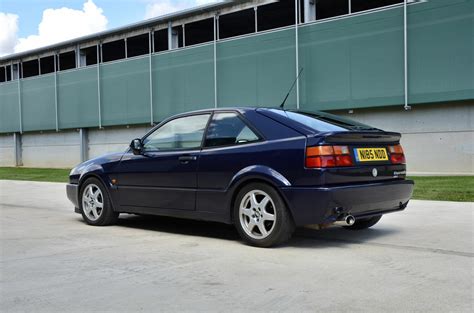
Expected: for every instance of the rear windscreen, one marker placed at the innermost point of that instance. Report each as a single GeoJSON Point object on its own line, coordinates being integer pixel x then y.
{"type": "Point", "coordinates": [324, 122]}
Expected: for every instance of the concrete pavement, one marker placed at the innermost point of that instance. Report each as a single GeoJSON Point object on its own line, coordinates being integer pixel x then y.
{"type": "Point", "coordinates": [419, 260]}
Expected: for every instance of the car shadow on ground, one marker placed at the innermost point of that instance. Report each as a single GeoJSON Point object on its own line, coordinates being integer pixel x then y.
{"type": "Point", "coordinates": [302, 238]}
{"type": "Point", "coordinates": [179, 226]}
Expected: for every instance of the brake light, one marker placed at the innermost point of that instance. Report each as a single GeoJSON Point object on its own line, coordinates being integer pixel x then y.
{"type": "Point", "coordinates": [396, 154]}
{"type": "Point", "coordinates": [328, 156]}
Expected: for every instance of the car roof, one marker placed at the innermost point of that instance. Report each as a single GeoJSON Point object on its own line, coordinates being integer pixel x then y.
{"type": "Point", "coordinates": [239, 109]}
{"type": "Point", "coordinates": [236, 108]}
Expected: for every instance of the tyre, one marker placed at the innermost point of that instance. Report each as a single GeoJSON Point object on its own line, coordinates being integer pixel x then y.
{"type": "Point", "coordinates": [364, 223]}
{"type": "Point", "coordinates": [261, 216]}
{"type": "Point", "coordinates": [95, 205]}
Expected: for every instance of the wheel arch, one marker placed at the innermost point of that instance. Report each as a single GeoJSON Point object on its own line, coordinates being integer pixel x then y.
{"type": "Point", "coordinates": [238, 186]}
{"type": "Point", "coordinates": [97, 175]}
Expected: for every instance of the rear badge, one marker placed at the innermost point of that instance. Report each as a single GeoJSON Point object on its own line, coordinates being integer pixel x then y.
{"type": "Point", "coordinates": [399, 173]}
{"type": "Point", "coordinates": [374, 172]}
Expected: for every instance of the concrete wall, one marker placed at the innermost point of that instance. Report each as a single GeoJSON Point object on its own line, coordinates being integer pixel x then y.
{"type": "Point", "coordinates": [438, 139]}
{"type": "Point", "coordinates": [112, 139]}
{"type": "Point", "coordinates": [51, 149]}
{"type": "Point", "coordinates": [62, 149]}
{"type": "Point", "coordinates": [7, 150]}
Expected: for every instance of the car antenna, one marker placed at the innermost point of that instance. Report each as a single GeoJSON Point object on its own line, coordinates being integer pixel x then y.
{"type": "Point", "coordinates": [282, 105]}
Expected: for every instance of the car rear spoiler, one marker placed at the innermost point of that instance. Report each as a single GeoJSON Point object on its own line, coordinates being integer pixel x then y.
{"type": "Point", "coordinates": [362, 137]}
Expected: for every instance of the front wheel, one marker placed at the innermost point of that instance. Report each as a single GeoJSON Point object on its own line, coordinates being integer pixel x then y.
{"type": "Point", "coordinates": [261, 217]}
{"type": "Point", "coordinates": [364, 223]}
{"type": "Point", "coordinates": [95, 205]}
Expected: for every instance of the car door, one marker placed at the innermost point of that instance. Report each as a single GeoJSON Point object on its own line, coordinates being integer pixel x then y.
{"type": "Point", "coordinates": [163, 176]}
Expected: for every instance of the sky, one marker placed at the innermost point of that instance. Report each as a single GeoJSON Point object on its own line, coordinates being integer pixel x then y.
{"type": "Point", "coordinates": [30, 24]}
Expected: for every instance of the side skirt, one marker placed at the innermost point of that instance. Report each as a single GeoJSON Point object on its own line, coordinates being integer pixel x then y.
{"type": "Point", "coordinates": [194, 215]}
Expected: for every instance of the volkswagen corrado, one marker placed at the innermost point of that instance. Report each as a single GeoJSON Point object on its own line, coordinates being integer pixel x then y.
{"type": "Point", "coordinates": [265, 170]}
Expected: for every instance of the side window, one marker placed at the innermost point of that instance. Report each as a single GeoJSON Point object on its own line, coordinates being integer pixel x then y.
{"type": "Point", "coordinates": [181, 133]}
{"type": "Point", "coordinates": [228, 129]}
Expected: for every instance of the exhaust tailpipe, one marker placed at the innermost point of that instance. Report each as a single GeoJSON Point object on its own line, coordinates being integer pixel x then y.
{"type": "Point", "coordinates": [348, 220]}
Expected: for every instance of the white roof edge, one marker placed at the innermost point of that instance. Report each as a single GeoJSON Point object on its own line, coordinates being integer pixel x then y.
{"type": "Point", "coordinates": [141, 24]}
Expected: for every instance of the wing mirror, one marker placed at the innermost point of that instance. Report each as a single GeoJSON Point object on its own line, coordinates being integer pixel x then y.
{"type": "Point", "coordinates": [136, 145]}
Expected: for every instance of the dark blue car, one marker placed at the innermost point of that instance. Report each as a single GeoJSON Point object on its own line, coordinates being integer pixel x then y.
{"type": "Point", "coordinates": [264, 170]}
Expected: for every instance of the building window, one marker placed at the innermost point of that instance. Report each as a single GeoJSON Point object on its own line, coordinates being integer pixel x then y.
{"type": "Point", "coordinates": [3, 76]}
{"type": "Point", "coordinates": [8, 68]}
{"type": "Point", "coordinates": [237, 23]}
{"type": "Point", "coordinates": [138, 45]}
{"type": "Point", "coordinates": [30, 68]}
{"type": "Point", "coordinates": [275, 15]}
{"type": "Point", "coordinates": [114, 50]}
{"type": "Point", "coordinates": [67, 60]}
{"type": "Point", "coordinates": [199, 32]}
{"type": "Point", "coordinates": [362, 5]}
{"type": "Point", "coordinates": [88, 56]}
{"type": "Point", "coordinates": [331, 8]}
{"type": "Point", "coordinates": [47, 64]}
{"type": "Point", "coordinates": [161, 40]}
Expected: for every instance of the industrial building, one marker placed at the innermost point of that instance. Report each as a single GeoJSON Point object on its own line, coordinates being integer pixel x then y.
{"type": "Point", "coordinates": [401, 65]}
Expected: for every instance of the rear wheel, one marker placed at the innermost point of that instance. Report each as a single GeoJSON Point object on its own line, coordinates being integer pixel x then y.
{"type": "Point", "coordinates": [364, 223]}
{"type": "Point", "coordinates": [95, 205]}
{"type": "Point", "coordinates": [261, 216]}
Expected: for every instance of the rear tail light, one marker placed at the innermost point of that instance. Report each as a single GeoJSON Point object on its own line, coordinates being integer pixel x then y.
{"type": "Point", "coordinates": [396, 154]}
{"type": "Point", "coordinates": [328, 156]}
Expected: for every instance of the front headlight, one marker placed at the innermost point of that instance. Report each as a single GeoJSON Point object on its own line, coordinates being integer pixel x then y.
{"type": "Point", "coordinates": [73, 171]}
{"type": "Point", "coordinates": [74, 175]}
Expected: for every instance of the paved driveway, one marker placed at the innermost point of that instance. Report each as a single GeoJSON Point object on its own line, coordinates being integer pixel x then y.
{"type": "Point", "coordinates": [417, 260]}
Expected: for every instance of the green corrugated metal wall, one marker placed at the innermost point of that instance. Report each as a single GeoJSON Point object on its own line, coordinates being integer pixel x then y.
{"type": "Point", "coordinates": [354, 63]}
{"type": "Point", "coordinates": [348, 63]}
{"type": "Point", "coordinates": [441, 57]}
{"type": "Point", "coordinates": [9, 109]}
{"type": "Point", "coordinates": [78, 104]}
{"type": "Point", "coordinates": [256, 71]}
{"type": "Point", "coordinates": [37, 103]}
{"type": "Point", "coordinates": [183, 81]}
{"type": "Point", "coordinates": [125, 91]}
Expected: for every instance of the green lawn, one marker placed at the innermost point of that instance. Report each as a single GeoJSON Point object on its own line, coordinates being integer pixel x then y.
{"type": "Point", "coordinates": [448, 188]}
{"type": "Point", "coordinates": [35, 174]}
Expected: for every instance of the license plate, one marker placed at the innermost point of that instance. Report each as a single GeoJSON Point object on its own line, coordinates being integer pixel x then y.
{"type": "Point", "coordinates": [370, 154]}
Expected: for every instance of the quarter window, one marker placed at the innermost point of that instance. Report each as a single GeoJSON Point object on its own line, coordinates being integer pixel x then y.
{"type": "Point", "coordinates": [228, 129]}
{"type": "Point", "coordinates": [362, 5]}
{"type": "Point", "coordinates": [178, 134]}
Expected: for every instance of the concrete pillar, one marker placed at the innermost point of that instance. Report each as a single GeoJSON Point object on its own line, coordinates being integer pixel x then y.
{"type": "Point", "coordinates": [126, 47]}
{"type": "Point", "coordinates": [184, 35]}
{"type": "Point", "coordinates": [84, 144]}
{"type": "Point", "coordinates": [309, 10]}
{"type": "Point", "coordinates": [17, 149]}
{"type": "Point", "coordinates": [170, 36]}
{"type": "Point", "coordinates": [77, 52]}
{"type": "Point", "coordinates": [255, 11]}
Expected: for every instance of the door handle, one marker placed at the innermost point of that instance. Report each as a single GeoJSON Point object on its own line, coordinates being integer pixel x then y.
{"type": "Point", "coordinates": [187, 158]}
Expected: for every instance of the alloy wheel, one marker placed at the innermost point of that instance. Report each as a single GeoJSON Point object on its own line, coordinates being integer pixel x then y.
{"type": "Point", "coordinates": [92, 202]}
{"type": "Point", "coordinates": [257, 214]}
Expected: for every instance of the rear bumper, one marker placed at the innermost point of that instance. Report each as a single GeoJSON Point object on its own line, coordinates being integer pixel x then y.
{"type": "Point", "coordinates": [320, 205]}
{"type": "Point", "coordinates": [72, 194]}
